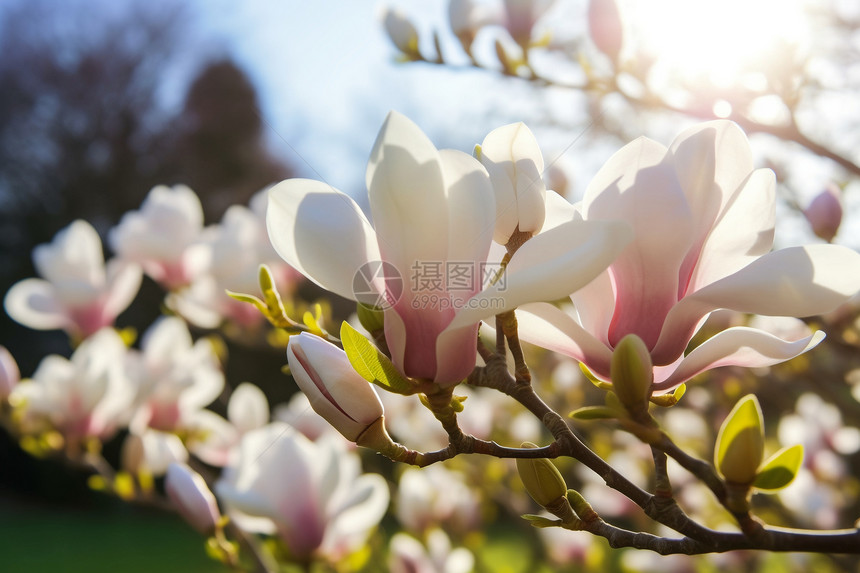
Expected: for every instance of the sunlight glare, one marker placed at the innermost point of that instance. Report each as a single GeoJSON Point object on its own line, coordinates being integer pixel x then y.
{"type": "Point", "coordinates": [717, 40]}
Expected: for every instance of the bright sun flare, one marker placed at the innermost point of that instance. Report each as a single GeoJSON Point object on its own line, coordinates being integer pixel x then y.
{"type": "Point", "coordinates": [717, 38]}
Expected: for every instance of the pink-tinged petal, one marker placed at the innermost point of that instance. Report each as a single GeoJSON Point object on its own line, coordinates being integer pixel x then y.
{"type": "Point", "coordinates": [550, 327]}
{"type": "Point", "coordinates": [595, 306]}
{"type": "Point", "coordinates": [742, 232]}
{"type": "Point", "coordinates": [192, 497]}
{"type": "Point", "coordinates": [739, 346]}
{"type": "Point", "coordinates": [334, 389]}
{"type": "Point", "coordinates": [407, 195]}
{"type": "Point", "coordinates": [395, 337]}
{"type": "Point", "coordinates": [33, 303]}
{"type": "Point", "coordinates": [213, 439]}
{"type": "Point", "coordinates": [367, 503]}
{"type": "Point", "coordinates": [549, 266]}
{"type": "Point", "coordinates": [74, 255]}
{"type": "Point", "coordinates": [123, 283]}
{"type": "Point", "coordinates": [320, 232]}
{"type": "Point", "coordinates": [798, 281]}
{"type": "Point", "coordinates": [456, 354]}
{"type": "Point", "coordinates": [9, 373]}
{"type": "Point", "coordinates": [638, 185]}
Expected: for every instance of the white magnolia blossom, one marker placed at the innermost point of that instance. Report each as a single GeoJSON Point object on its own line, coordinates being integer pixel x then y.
{"type": "Point", "coordinates": [514, 161]}
{"type": "Point", "coordinates": [86, 396]}
{"type": "Point", "coordinates": [311, 494]}
{"type": "Point", "coordinates": [76, 293]}
{"type": "Point", "coordinates": [192, 497]}
{"type": "Point", "coordinates": [164, 236]}
{"type": "Point", "coordinates": [521, 17]}
{"type": "Point", "coordinates": [177, 378]}
{"type": "Point", "coordinates": [408, 555]}
{"type": "Point", "coordinates": [435, 496]}
{"type": "Point", "coordinates": [429, 207]}
{"type": "Point", "coordinates": [466, 17]}
{"type": "Point", "coordinates": [238, 245]}
{"type": "Point", "coordinates": [703, 221]}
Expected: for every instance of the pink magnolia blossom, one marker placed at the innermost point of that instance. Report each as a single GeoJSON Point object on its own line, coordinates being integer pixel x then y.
{"type": "Point", "coordinates": [703, 220]}
{"type": "Point", "coordinates": [76, 292]}
{"type": "Point", "coordinates": [164, 236]}
{"type": "Point", "coordinates": [192, 497]}
{"type": "Point", "coordinates": [430, 208]}
{"type": "Point", "coordinates": [311, 494]}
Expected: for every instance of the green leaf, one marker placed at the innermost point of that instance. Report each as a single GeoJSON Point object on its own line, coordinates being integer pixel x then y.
{"type": "Point", "coordinates": [780, 469]}
{"type": "Point", "coordinates": [668, 400]}
{"type": "Point", "coordinates": [593, 379]}
{"type": "Point", "coordinates": [371, 364]}
{"type": "Point", "coordinates": [593, 413]}
{"type": "Point", "coordinates": [740, 443]}
{"type": "Point", "coordinates": [540, 521]}
{"type": "Point", "coordinates": [261, 306]}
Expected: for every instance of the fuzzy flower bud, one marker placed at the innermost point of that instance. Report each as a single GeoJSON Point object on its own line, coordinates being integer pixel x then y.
{"type": "Point", "coordinates": [604, 26]}
{"type": "Point", "coordinates": [336, 391]}
{"type": "Point", "coordinates": [542, 479]}
{"type": "Point", "coordinates": [401, 31]}
{"type": "Point", "coordinates": [824, 213]}
{"type": "Point", "coordinates": [192, 497]}
{"type": "Point", "coordinates": [632, 372]}
{"type": "Point", "coordinates": [513, 159]}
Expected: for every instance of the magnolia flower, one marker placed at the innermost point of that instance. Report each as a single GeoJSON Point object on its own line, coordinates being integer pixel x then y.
{"type": "Point", "coordinates": [409, 556]}
{"type": "Point", "coordinates": [433, 496]}
{"type": "Point", "coordinates": [164, 236]}
{"type": "Point", "coordinates": [9, 373]}
{"type": "Point", "coordinates": [824, 213]}
{"type": "Point", "coordinates": [401, 31]}
{"type": "Point", "coordinates": [87, 396]}
{"type": "Point", "coordinates": [238, 246]}
{"type": "Point", "coordinates": [177, 378]}
{"type": "Point", "coordinates": [522, 15]}
{"type": "Point", "coordinates": [604, 26]}
{"type": "Point", "coordinates": [192, 497]}
{"type": "Point", "coordinates": [311, 494]}
{"type": "Point", "coordinates": [515, 164]}
{"type": "Point", "coordinates": [466, 17]}
{"type": "Point", "coordinates": [336, 391]}
{"type": "Point", "coordinates": [703, 222]}
{"type": "Point", "coordinates": [76, 293]}
{"type": "Point", "coordinates": [433, 212]}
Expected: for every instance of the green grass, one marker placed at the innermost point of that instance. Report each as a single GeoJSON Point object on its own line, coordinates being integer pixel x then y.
{"type": "Point", "coordinates": [109, 537]}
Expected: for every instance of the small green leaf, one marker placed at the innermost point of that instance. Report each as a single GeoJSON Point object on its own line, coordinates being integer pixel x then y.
{"type": "Point", "coordinates": [371, 364]}
{"type": "Point", "coordinates": [780, 469]}
{"type": "Point", "coordinates": [261, 306]}
{"type": "Point", "coordinates": [540, 521]}
{"type": "Point", "coordinates": [740, 443]}
{"type": "Point", "coordinates": [593, 379]}
{"type": "Point", "coordinates": [593, 413]}
{"type": "Point", "coordinates": [668, 400]}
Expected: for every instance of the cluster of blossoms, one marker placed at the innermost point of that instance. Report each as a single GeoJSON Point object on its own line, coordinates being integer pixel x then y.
{"type": "Point", "coordinates": [621, 282]}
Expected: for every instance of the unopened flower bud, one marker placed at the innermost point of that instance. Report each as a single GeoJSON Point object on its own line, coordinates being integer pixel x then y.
{"type": "Point", "coordinates": [740, 443]}
{"type": "Point", "coordinates": [336, 391]}
{"type": "Point", "coordinates": [522, 15]}
{"type": "Point", "coordinates": [192, 497]}
{"type": "Point", "coordinates": [604, 26]}
{"type": "Point", "coordinates": [542, 479]}
{"type": "Point", "coordinates": [401, 31]}
{"type": "Point", "coordinates": [513, 159]}
{"type": "Point", "coordinates": [824, 213]}
{"type": "Point", "coordinates": [632, 372]}
{"type": "Point", "coordinates": [371, 318]}
{"type": "Point", "coordinates": [466, 17]}
{"type": "Point", "coordinates": [9, 373]}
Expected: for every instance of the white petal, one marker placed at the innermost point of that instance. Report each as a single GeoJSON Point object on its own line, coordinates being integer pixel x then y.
{"type": "Point", "coordinates": [407, 195]}
{"type": "Point", "coordinates": [33, 303]}
{"type": "Point", "coordinates": [739, 346]}
{"type": "Point", "coordinates": [550, 327]}
{"type": "Point", "coordinates": [248, 408]}
{"type": "Point", "coordinates": [742, 232]}
{"type": "Point", "coordinates": [470, 207]}
{"type": "Point", "coordinates": [558, 210]}
{"type": "Point", "coordinates": [549, 266]}
{"type": "Point", "coordinates": [798, 281]}
{"type": "Point", "coordinates": [367, 503]}
{"type": "Point", "coordinates": [74, 255]}
{"type": "Point", "coordinates": [320, 232]}
{"type": "Point", "coordinates": [123, 283]}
